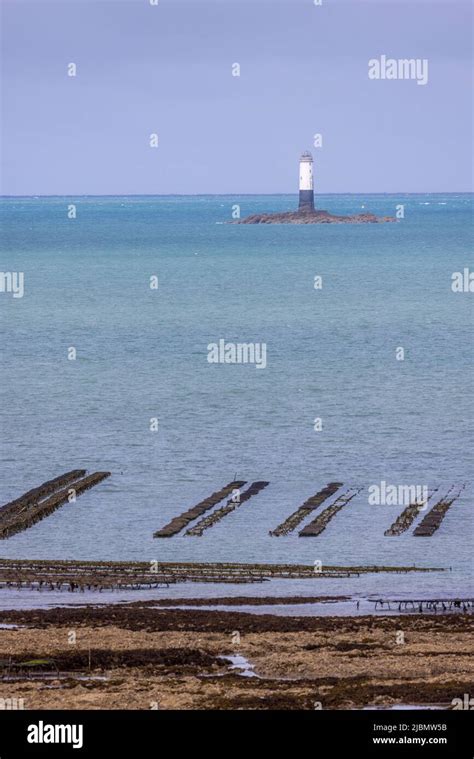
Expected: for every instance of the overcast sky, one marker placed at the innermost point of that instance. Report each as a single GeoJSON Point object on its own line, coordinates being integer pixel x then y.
{"type": "Point", "coordinates": [167, 69]}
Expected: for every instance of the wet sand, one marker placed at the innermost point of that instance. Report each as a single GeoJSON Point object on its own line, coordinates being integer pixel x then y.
{"type": "Point", "coordinates": [133, 656]}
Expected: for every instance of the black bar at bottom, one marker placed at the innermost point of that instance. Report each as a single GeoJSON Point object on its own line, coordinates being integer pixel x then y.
{"type": "Point", "coordinates": [422, 733]}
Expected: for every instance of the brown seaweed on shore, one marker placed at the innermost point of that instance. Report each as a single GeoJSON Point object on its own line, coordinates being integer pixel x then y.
{"type": "Point", "coordinates": [133, 658]}
{"type": "Point", "coordinates": [80, 661]}
{"type": "Point", "coordinates": [133, 617]}
{"type": "Point", "coordinates": [355, 692]}
{"type": "Point", "coordinates": [239, 601]}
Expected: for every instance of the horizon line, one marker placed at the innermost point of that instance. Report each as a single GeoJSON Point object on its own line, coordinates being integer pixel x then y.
{"type": "Point", "coordinates": [231, 195]}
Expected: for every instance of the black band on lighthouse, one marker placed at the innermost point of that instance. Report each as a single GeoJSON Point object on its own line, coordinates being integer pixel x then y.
{"type": "Point", "coordinates": [306, 200]}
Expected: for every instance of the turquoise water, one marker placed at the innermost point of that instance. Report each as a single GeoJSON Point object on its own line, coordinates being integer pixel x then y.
{"type": "Point", "coordinates": [142, 353]}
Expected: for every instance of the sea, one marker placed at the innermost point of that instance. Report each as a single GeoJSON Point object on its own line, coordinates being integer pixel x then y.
{"type": "Point", "coordinates": [368, 377]}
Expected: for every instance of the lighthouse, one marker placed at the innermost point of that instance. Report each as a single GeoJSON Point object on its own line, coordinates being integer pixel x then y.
{"type": "Point", "coordinates": [306, 183]}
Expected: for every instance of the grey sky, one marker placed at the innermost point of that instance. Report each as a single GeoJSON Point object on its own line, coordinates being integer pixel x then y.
{"type": "Point", "coordinates": [167, 69]}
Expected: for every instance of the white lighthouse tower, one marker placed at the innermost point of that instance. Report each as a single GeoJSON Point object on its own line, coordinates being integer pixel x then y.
{"type": "Point", "coordinates": [306, 183]}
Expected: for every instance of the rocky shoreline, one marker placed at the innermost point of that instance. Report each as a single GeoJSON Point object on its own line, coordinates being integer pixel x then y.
{"type": "Point", "coordinates": [312, 217]}
{"type": "Point", "coordinates": [123, 656]}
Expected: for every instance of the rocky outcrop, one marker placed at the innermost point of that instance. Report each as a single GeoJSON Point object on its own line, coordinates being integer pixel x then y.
{"type": "Point", "coordinates": [312, 217]}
